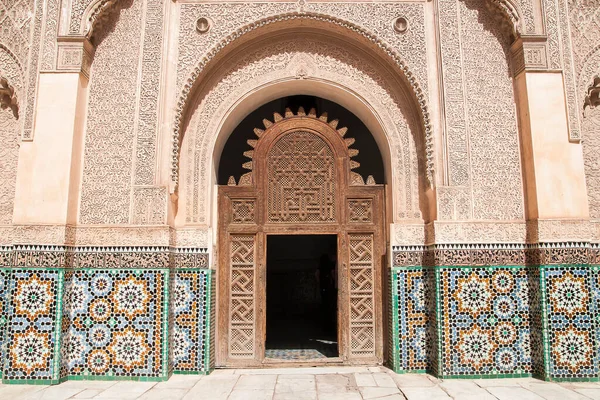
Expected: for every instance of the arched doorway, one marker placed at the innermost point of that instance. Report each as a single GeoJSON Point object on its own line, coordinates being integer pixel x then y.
{"type": "Point", "coordinates": [300, 182]}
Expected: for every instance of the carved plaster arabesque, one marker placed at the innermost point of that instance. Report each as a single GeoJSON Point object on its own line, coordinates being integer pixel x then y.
{"type": "Point", "coordinates": [573, 102]}
{"type": "Point", "coordinates": [11, 84]}
{"type": "Point", "coordinates": [275, 62]}
{"type": "Point", "coordinates": [32, 77]}
{"type": "Point", "coordinates": [106, 190]}
{"type": "Point", "coordinates": [16, 25]}
{"type": "Point", "coordinates": [9, 153]}
{"type": "Point", "coordinates": [187, 86]}
{"type": "Point", "coordinates": [481, 136]}
{"type": "Point", "coordinates": [584, 19]}
{"type": "Point", "coordinates": [592, 99]}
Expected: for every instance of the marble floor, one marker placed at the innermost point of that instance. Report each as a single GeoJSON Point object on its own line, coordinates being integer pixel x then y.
{"type": "Point", "coordinates": [330, 383]}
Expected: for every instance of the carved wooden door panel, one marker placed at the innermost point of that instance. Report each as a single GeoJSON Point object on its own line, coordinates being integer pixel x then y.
{"type": "Point", "coordinates": [363, 260]}
{"type": "Point", "coordinates": [240, 280]}
{"type": "Point", "coordinates": [300, 181]}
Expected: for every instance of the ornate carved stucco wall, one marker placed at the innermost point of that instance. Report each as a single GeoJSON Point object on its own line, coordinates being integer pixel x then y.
{"type": "Point", "coordinates": [121, 135]}
{"type": "Point", "coordinates": [484, 174]}
{"type": "Point", "coordinates": [584, 19]}
{"type": "Point", "coordinates": [9, 151]}
{"type": "Point", "coordinates": [15, 42]}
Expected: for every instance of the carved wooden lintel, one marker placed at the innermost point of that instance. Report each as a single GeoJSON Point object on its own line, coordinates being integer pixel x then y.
{"type": "Point", "coordinates": [75, 53]}
{"type": "Point", "coordinates": [8, 97]}
{"type": "Point", "coordinates": [528, 53]}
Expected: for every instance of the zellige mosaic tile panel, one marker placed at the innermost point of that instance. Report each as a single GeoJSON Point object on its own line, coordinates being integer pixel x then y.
{"type": "Point", "coordinates": [485, 321]}
{"type": "Point", "coordinates": [33, 328]}
{"type": "Point", "coordinates": [191, 320]}
{"type": "Point", "coordinates": [570, 342]}
{"type": "Point", "coordinates": [115, 323]}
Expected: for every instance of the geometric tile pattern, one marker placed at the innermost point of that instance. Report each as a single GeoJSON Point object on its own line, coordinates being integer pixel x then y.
{"type": "Point", "coordinates": [595, 288]}
{"type": "Point", "coordinates": [569, 341]}
{"type": "Point", "coordinates": [103, 312]}
{"type": "Point", "coordinates": [4, 288]}
{"type": "Point", "coordinates": [485, 321]}
{"type": "Point", "coordinates": [411, 332]}
{"type": "Point", "coordinates": [115, 323]}
{"type": "Point", "coordinates": [33, 329]}
{"type": "Point", "coordinates": [191, 307]}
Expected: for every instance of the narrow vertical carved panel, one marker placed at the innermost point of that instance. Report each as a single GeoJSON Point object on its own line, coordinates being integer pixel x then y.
{"type": "Point", "coordinates": [362, 310]}
{"type": "Point", "coordinates": [241, 300]}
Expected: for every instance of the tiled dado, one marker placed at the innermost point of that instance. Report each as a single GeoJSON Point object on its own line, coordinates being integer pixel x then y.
{"type": "Point", "coordinates": [131, 322]}
{"type": "Point", "coordinates": [497, 311]}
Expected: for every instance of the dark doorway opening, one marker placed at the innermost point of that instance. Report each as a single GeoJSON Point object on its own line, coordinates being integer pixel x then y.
{"type": "Point", "coordinates": [301, 297]}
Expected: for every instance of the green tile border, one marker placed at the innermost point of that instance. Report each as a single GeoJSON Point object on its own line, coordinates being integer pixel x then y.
{"type": "Point", "coordinates": [209, 325]}
{"type": "Point", "coordinates": [165, 325]}
{"type": "Point", "coordinates": [485, 376]}
{"type": "Point", "coordinates": [58, 326]}
{"type": "Point", "coordinates": [4, 326]}
{"type": "Point", "coordinates": [395, 323]}
{"type": "Point", "coordinates": [200, 372]}
{"type": "Point", "coordinates": [112, 378]}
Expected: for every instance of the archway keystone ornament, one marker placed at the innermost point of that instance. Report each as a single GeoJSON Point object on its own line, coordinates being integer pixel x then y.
{"type": "Point", "coordinates": [300, 181]}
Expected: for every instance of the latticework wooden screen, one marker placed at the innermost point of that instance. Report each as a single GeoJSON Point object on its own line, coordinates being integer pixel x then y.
{"type": "Point", "coordinates": [301, 179]}
{"type": "Point", "coordinates": [362, 312]}
{"type": "Point", "coordinates": [242, 321]}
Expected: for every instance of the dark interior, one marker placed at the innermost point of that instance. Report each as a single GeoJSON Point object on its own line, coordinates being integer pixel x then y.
{"type": "Point", "coordinates": [301, 297]}
{"type": "Point", "coordinates": [232, 157]}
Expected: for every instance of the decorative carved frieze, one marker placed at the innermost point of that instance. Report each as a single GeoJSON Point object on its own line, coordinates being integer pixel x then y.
{"type": "Point", "coordinates": [103, 257]}
{"type": "Point", "coordinates": [197, 236]}
{"type": "Point", "coordinates": [494, 254]}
